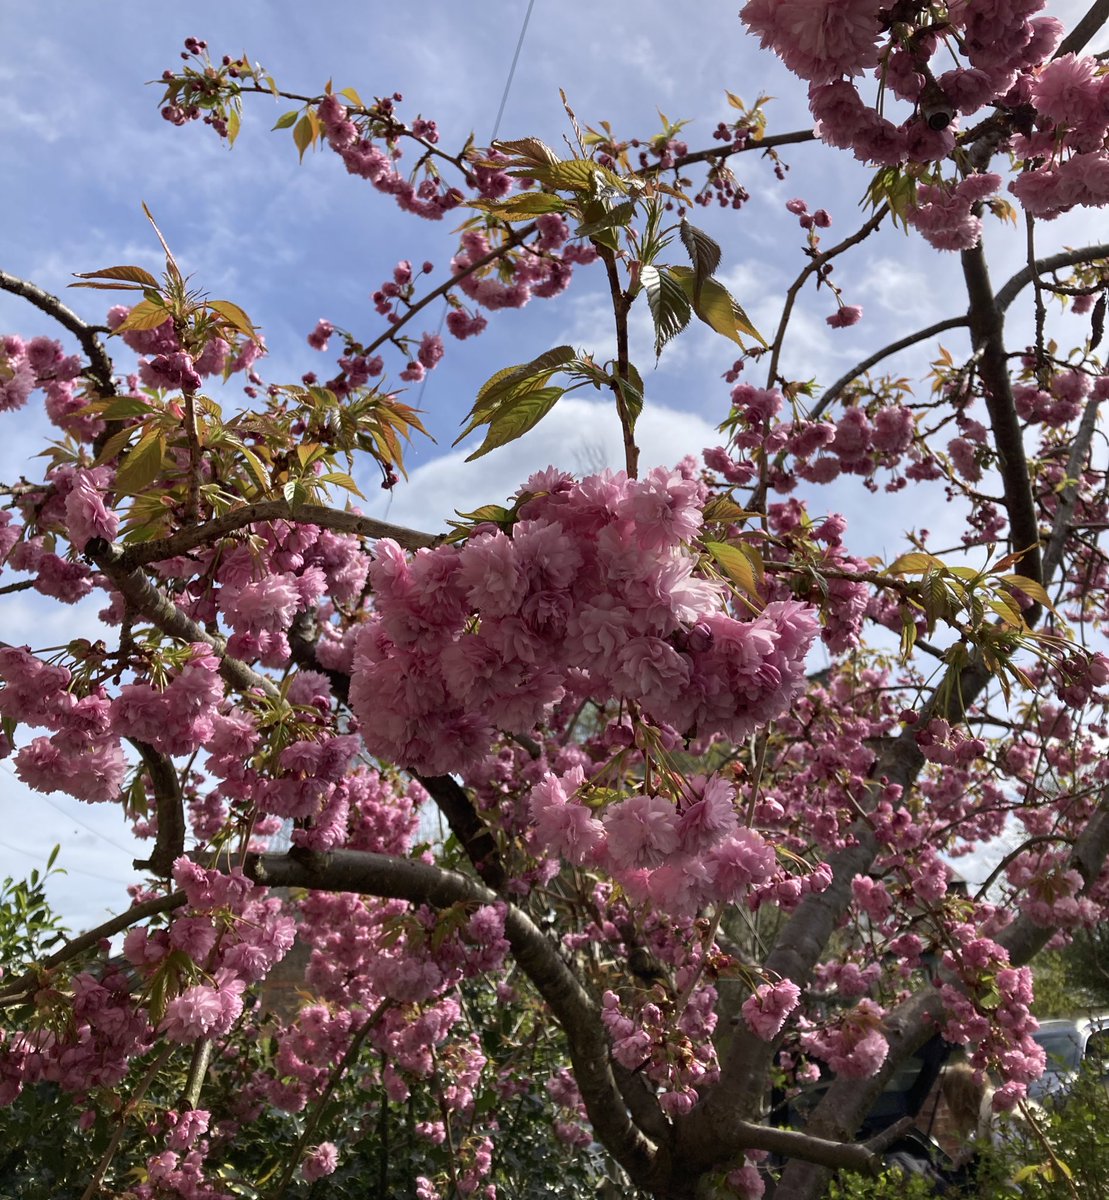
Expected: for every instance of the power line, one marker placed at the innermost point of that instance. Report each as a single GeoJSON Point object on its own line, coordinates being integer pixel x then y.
{"type": "Point", "coordinates": [77, 820]}
{"type": "Point", "coordinates": [512, 70]}
{"type": "Point", "coordinates": [493, 138]}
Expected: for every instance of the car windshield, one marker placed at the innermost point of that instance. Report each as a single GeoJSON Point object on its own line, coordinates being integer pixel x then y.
{"type": "Point", "coordinates": [1062, 1047]}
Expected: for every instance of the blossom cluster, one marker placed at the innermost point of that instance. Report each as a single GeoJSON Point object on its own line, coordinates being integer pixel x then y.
{"type": "Point", "coordinates": [596, 589]}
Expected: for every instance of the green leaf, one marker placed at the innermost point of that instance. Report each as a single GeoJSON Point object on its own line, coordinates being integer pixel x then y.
{"type": "Point", "coordinates": [514, 381]}
{"type": "Point", "coordinates": [606, 218]}
{"type": "Point", "coordinates": [122, 408]}
{"type": "Point", "coordinates": [573, 175]}
{"type": "Point", "coordinates": [724, 508]}
{"type": "Point", "coordinates": [631, 389]}
{"type": "Point", "coordinates": [145, 315]}
{"type": "Point", "coordinates": [522, 207]}
{"type": "Point", "coordinates": [294, 492]}
{"type": "Point", "coordinates": [717, 307]}
{"type": "Point", "coordinates": [256, 468]}
{"type": "Point", "coordinates": [343, 480]}
{"type": "Point", "coordinates": [286, 119]}
{"type": "Point", "coordinates": [1030, 588]}
{"type": "Point", "coordinates": [235, 317]}
{"type": "Point", "coordinates": [303, 135]}
{"type": "Point", "coordinates": [736, 565]}
{"type": "Point", "coordinates": [703, 252]}
{"type": "Point", "coordinates": [914, 564]}
{"type": "Point", "coordinates": [670, 307]}
{"type": "Point", "coordinates": [515, 417]}
{"type": "Point", "coordinates": [142, 465]}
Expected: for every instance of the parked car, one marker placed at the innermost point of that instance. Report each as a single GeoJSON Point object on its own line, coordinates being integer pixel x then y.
{"type": "Point", "coordinates": [1068, 1043]}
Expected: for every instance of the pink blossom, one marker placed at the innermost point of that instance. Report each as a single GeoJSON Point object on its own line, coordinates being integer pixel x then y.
{"type": "Point", "coordinates": [319, 1161]}
{"type": "Point", "coordinates": [845, 315]}
{"type": "Point", "coordinates": [817, 39]}
{"type": "Point", "coordinates": [641, 831]}
{"type": "Point", "coordinates": [767, 1010]}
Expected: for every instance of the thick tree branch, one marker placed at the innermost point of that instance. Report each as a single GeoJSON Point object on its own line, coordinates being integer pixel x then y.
{"type": "Point", "coordinates": [1075, 41]}
{"type": "Point", "coordinates": [987, 335]}
{"type": "Point", "coordinates": [1005, 297]}
{"type": "Point", "coordinates": [911, 1024]}
{"type": "Point", "coordinates": [335, 519]}
{"type": "Point", "coordinates": [100, 365]}
{"type": "Point", "coordinates": [1076, 461]}
{"type": "Point", "coordinates": [157, 608]}
{"type": "Point", "coordinates": [537, 956]}
{"type": "Point", "coordinates": [1009, 290]}
{"type": "Point", "coordinates": [472, 832]}
{"type": "Point", "coordinates": [170, 842]}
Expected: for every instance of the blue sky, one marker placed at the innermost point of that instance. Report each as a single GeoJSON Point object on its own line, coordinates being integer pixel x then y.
{"type": "Point", "coordinates": [84, 145]}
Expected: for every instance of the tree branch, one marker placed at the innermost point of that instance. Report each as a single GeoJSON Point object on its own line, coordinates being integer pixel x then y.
{"type": "Point", "coordinates": [472, 832]}
{"type": "Point", "coordinates": [987, 335]}
{"type": "Point", "coordinates": [335, 519]}
{"type": "Point", "coordinates": [908, 1026]}
{"type": "Point", "coordinates": [100, 365]}
{"type": "Point", "coordinates": [1075, 41]}
{"type": "Point", "coordinates": [162, 612]}
{"type": "Point", "coordinates": [537, 956]}
{"type": "Point", "coordinates": [170, 842]}
{"type": "Point", "coordinates": [13, 990]}
{"type": "Point", "coordinates": [1009, 291]}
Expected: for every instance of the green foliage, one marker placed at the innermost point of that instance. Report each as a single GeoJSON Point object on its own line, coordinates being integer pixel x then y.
{"type": "Point", "coordinates": [28, 928]}
{"type": "Point", "coordinates": [890, 1185]}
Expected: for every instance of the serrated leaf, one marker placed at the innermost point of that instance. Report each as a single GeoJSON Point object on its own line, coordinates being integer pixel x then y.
{"type": "Point", "coordinates": [1008, 611]}
{"type": "Point", "coordinates": [256, 468]}
{"type": "Point", "coordinates": [724, 508]}
{"type": "Point", "coordinates": [717, 307]}
{"type": "Point", "coordinates": [736, 565]}
{"type": "Point", "coordinates": [294, 492]}
{"type": "Point", "coordinates": [115, 445]}
{"type": "Point", "coordinates": [1030, 588]}
{"type": "Point", "coordinates": [914, 564]}
{"type": "Point", "coordinates": [343, 480]}
{"type": "Point", "coordinates": [631, 390]}
{"type": "Point", "coordinates": [128, 274]}
{"type": "Point", "coordinates": [145, 315]}
{"type": "Point", "coordinates": [302, 135]}
{"type": "Point", "coordinates": [121, 408]}
{"type": "Point", "coordinates": [353, 97]}
{"type": "Point", "coordinates": [235, 317]}
{"type": "Point", "coordinates": [514, 381]}
{"type": "Point", "coordinates": [515, 417]}
{"type": "Point", "coordinates": [703, 252]}
{"type": "Point", "coordinates": [670, 307]}
{"type": "Point", "coordinates": [523, 206]}
{"type": "Point", "coordinates": [286, 119]}
{"type": "Point", "coordinates": [497, 514]}
{"type": "Point", "coordinates": [615, 217]}
{"type": "Point", "coordinates": [529, 149]}
{"type": "Point", "coordinates": [142, 466]}
{"type": "Point", "coordinates": [574, 175]}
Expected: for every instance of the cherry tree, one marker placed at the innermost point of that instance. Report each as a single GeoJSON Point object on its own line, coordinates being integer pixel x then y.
{"type": "Point", "coordinates": [708, 876]}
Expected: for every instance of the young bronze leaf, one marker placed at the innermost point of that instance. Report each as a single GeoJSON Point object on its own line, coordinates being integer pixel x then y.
{"type": "Point", "coordinates": [531, 150]}
{"type": "Point", "coordinates": [127, 274]}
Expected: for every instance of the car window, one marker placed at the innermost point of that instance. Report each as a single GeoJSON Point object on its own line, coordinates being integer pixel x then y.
{"type": "Point", "coordinates": [1062, 1047]}
{"type": "Point", "coordinates": [1097, 1048]}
